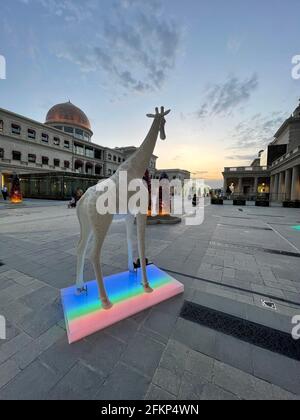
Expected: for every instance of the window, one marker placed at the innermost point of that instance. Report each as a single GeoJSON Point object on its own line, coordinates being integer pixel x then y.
{"type": "Point", "coordinates": [67, 144]}
{"type": "Point", "coordinates": [119, 160]}
{"type": "Point", "coordinates": [45, 160]}
{"type": "Point", "coordinates": [98, 170]}
{"type": "Point", "coordinates": [115, 158]}
{"type": "Point", "coordinates": [86, 137]}
{"type": "Point", "coordinates": [109, 156]}
{"type": "Point", "coordinates": [45, 138]}
{"type": "Point", "coordinates": [32, 158]}
{"type": "Point", "coordinates": [79, 133]}
{"type": "Point", "coordinates": [16, 129]}
{"type": "Point", "coordinates": [89, 152]}
{"type": "Point", "coordinates": [56, 141]}
{"type": "Point", "coordinates": [69, 130]}
{"type": "Point", "coordinates": [31, 134]}
{"type": "Point", "coordinates": [98, 154]}
{"type": "Point", "coordinates": [1, 153]}
{"type": "Point", "coordinates": [79, 149]}
{"type": "Point", "coordinates": [56, 163]}
{"type": "Point", "coordinates": [58, 127]}
{"type": "Point", "coordinates": [66, 164]}
{"type": "Point", "coordinates": [109, 172]}
{"type": "Point", "coordinates": [16, 155]}
{"type": "Point", "coordinates": [1, 126]}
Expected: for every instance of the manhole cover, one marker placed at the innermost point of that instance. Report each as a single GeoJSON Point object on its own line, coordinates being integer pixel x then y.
{"type": "Point", "coordinates": [268, 304]}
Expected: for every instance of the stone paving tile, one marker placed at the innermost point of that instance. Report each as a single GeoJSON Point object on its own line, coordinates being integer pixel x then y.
{"type": "Point", "coordinates": [143, 354]}
{"type": "Point", "coordinates": [158, 394]}
{"type": "Point", "coordinates": [41, 320]}
{"type": "Point", "coordinates": [104, 352]}
{"type": "Point", "coordinates": [8, 371]}
{"type": "Point", "coordinates": [125, 383]}
{"type": "Point", "coordinates": [80, 383]}
{"type": "Point", "coordinates": [13, 346]}
{"type": "Point", "coordinates": [35, 348]}
{"type": "Point", "coordinates": [277, 369]}
{"type": "Point", "coordinates": [212, 392]}
{"type": "Point", "coordinates": [33, 383]}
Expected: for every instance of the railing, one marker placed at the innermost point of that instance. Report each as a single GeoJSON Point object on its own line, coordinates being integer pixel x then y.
{"type": "Point", "coordinates": [286, 156]}
{"type": "Point", "coordinates": [247, 169]}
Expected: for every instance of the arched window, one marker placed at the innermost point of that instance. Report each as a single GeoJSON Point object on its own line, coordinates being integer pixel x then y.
{"type": "Point", "coordinates": [89, 168]}
{"type": "Point", "coordinates": [98, 170]}
{"type": "Point", "coordinates": [79, 166]}
{"type": "Point", "coordinates": [1, 126]}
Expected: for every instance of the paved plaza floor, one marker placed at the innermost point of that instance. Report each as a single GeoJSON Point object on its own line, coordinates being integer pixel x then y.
{"type": "Point", "coordinates": [236, 258]}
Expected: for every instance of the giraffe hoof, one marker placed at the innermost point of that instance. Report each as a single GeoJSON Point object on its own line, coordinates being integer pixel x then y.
{"type": "Point", "coordinates": [106, 304]}
{"type": "Point", "coordinates": [148, 289]}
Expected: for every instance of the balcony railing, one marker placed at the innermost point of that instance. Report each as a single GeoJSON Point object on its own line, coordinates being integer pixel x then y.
{"type": "Point", "coordinates": [286, 156]}
{"type": "Point", "coordinates": [247, 169]}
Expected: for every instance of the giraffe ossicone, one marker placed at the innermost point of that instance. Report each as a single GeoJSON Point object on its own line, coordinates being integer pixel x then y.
{"type": "Point", "coordinates": [93, 224]}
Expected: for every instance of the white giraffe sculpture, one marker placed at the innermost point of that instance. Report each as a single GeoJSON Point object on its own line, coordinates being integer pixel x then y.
{"type": "Point", "coordinates": [94, 224]}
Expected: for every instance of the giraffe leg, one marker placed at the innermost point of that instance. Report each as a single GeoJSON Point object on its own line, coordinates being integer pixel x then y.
{"type": "Point", "coordinates": [141, 220]}
{"type": "Point", "coordinates": [129, 231]}
{"type": "Point", "coordinates": [100, 232]}
{"type": "Point", "coordinates": [86, 234]}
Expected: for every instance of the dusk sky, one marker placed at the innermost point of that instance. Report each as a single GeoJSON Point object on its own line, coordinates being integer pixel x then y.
{"type": "Point", "coordinates": [223, 67]}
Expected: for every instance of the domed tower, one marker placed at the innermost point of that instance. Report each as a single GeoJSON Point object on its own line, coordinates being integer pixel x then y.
{"type": "Point", "coordinates": [70, 119]}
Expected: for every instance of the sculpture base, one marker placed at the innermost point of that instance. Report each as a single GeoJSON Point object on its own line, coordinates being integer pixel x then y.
{"type": "Point", "coordinates": [163, 220]}
{"type": "Point", "coordinates": [84, 314]}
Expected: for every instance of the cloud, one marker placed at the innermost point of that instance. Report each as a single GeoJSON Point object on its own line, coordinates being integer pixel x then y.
{"type": "Point", "coordinates": [136, 47]}
{"type": "Point", "coordinates": [257, 132]}
{"type": "Point", "coordinates": [69, 10]}
{"type": "Point", "coordinates": [224, 99]}
{"type": "Point", "coordinates": [248, 157]}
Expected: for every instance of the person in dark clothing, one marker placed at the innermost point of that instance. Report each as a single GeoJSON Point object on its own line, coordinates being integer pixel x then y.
{"type": "Point", "coordinates": [4, 192]}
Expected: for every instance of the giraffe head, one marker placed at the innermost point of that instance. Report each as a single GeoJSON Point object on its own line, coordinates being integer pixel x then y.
{"type": "Point", "coordinates": [161, 117]}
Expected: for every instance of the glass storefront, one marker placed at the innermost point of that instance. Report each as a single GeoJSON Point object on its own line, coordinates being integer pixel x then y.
{"type": "Point", "coordinates": [55, 186]}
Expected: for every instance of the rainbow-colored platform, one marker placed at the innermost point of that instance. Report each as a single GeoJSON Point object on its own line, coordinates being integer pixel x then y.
{"type": "Point", "coordinates": [84, 314]}
{"type": "Point", "coordinates": [297, 227]}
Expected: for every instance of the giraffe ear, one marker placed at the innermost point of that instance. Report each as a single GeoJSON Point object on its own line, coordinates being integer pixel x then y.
{"type": "Point", "coordinates": [150, 115]}
{"type": "Point", "coordinates": [167, 112]}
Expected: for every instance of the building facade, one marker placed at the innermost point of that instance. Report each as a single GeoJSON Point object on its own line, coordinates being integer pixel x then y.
{"type": "Point", "coordinates": [276, 172]}
{"type": "Point", "coordinates": [55, 152]}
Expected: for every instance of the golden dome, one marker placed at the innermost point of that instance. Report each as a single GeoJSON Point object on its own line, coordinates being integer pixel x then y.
{"type": "Point", "coordinates": [69, 114]}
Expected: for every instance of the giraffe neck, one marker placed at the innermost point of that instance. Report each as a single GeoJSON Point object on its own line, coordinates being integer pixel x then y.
{"type": "Point", "coordinates": [141, 158]}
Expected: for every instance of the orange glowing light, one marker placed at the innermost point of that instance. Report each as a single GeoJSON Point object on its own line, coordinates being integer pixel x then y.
{"type": "Point", "coordinates": [16, 198]}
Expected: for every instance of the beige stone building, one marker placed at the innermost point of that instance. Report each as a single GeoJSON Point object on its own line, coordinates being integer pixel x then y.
{"type": "Point", "coordinates": [276, 171]}
{"type": "Point", "coordinates": [55, 157]}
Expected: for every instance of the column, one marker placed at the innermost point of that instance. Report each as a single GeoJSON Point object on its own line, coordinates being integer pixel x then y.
{"type": "Point", "coordinates": [225, 184]}
{"type": "Point", "coordinates": [295, 184]}
{"type": "Point", "coordinates": [288, 184]}
{"type": "Point", "coordinates": [276, 188]}
{"type": "Point", "coordinates": [272, 184]}
{"type": "Point", "coordinates": [255, 186]}
{"type": "Point", "coordinates": [240, 187]}
{"type": "Point", "coordinates": [281, 186]}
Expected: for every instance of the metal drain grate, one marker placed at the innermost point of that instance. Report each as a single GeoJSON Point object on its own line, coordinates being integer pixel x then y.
{"type": "Point", "coordinates": [250, 332]}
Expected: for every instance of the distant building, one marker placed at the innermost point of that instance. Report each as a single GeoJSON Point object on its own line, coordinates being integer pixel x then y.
{"type": "Point", "coordinates": [58, 156]}
{"type": "Point", "coordinates": [276, 171]}
{"type": "Point", "coordinates": [180, 174]}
